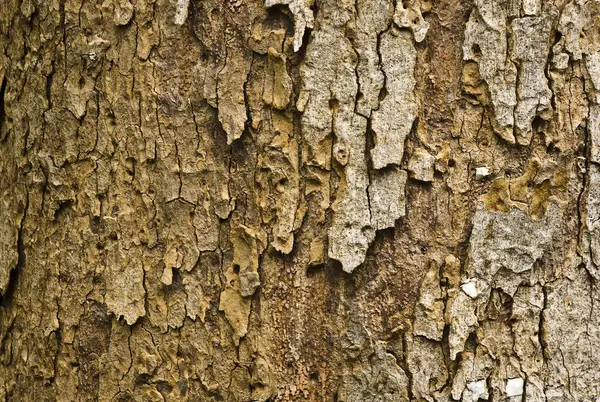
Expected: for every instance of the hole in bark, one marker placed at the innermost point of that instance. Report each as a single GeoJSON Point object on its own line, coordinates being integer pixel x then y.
{"type": "Point", "coordinates": [476, 50]}
{"type": "Point", "coordinates": [236, 269]}
{"type": "Point", "coordinates": [451, 163]}
{"type": "Point", "coordinates": [282, 183]}
{"type": "Point", "coordinates": [176, 280]}
{"type": "Point", "coordinates": [333, 104]}
{"type": "Point", "coordinates": [471, 342]}
{"type": "Point", "coordinates": [278, 15]}
{"type": "Point", "coordinates": [64, 206]}
{"type": "Point", "coordinates": [557, 37]}
{"type": "Point", "coordinates": [538, 124]}
{"type": "Point", "coordinates": [142, 379]}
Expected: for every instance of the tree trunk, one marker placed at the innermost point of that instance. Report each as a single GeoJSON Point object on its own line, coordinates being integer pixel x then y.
{"type": "Point", "coordinates": [299, 200]}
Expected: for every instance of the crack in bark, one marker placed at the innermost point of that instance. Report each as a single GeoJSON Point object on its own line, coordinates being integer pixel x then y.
{"type": "Point", "coordinates": [7, 297]}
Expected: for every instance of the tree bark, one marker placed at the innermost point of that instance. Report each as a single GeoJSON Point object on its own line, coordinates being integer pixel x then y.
{"type": "Point", "coordinates": [299, 200]}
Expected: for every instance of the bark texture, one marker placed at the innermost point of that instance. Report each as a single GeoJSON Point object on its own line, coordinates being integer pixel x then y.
{"type": "Point", "coordinates": [300, 200]}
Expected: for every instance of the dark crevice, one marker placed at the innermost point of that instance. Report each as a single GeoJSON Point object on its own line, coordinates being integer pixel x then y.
{"type": "Point", "coordinates": [542, 336]}
{"type": "Point", "coordinates": [404, 363]}
{"type": "Point", "coordinates": [280, 15]}
{"type": "Point", "coordinates": [64, 206]}
{"type": "Point", "coordinates": [2, 107]}
{"type": "Point", "coordinates": [313, 270]}
{"type": "Point", "coordinates": [296, 58]}
{"type": "Point", "coordinates": [248, 123]}
{"type": "Point", "coordinates": [13, 280]}
{"type": "Point", "coordinates": [59, 343]}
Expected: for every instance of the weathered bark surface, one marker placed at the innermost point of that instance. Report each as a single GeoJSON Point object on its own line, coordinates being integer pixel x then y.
{"type": "Point", "coordinates": [299, 200]}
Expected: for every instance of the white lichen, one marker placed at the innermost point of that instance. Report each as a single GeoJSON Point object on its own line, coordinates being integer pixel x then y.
{"type": "Point", "coordinates": [470, 288]}
{"type": "Point", "coordinates": [514, 387]}
{"type": "Point", "coordinates": [181, 12]}
{"type": "Point", "coordinates": [481, 172]}
{"type": "Point", "coordinates": [478, 390]}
